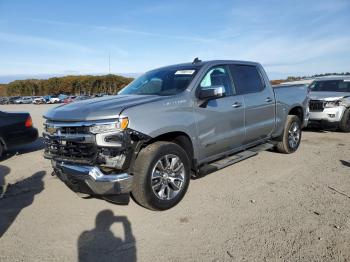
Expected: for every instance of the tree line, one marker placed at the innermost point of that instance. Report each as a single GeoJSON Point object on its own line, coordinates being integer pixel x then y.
{"type": "Point", "coordinates": [74, 85]}
{"type": "Point", "coordinates": [297, 78]}
{"type": "Point", "coordinates": [89, 84]}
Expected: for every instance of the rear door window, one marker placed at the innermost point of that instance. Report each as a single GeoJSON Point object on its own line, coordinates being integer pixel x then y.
{"type": "Point", "coordinates": [247, 79]}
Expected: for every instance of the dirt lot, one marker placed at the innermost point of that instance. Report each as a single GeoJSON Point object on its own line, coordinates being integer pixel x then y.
{"type": "Point", "coordinates": [271, 207]}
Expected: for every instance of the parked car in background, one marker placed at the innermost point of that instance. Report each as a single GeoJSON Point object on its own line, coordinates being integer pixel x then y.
{"type": "Point", "coordinates": [54, 99]}
{"type": "Point", "coordinates": [330, 102]}
{"type": "Point", "coordinates": [39, 100]}
{"type": "Point", "coordinates": [27, 100]}
{"type": "Point", "coordinates": [69, 99]}
{"type": "Point", "coordinates": [102, 94]}
{"type": "Point", "coordinates": [82, 97]}
{"type": "Point", "coordinates": [24, 100]}
{"type": "Point", "coordinates": [18, 100]}
{"type": "Point", "coordinates": [62, 97]}
{"type": "Point", "coordinates": [47, 99]}
{"type": "Point", "coordinates": [12, 99]}
{"type": "Point", "coordinates": [4, 100]}
{"type": "Point", "coordinates": [196, 117]}
{"type": "Point", "coordinates": [16, 129]}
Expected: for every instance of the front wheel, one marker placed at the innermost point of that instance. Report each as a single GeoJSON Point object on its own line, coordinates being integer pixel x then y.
{"type": "Point", "coordinates": [162, 176]}
{"type": "Point", "coordinates": [291, 137]}
{"type": "Point", "coordinates": [344, 124]}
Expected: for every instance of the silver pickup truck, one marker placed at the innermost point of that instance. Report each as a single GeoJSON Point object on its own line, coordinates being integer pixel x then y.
{"type": "Point", "coordinates": [330, 102]}
{"type": "Point", "coordinates": [168, 125]}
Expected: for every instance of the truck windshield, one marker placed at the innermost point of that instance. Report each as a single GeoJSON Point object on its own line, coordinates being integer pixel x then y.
{"type": "Point", "coordinates": [331, 86]}
{"type": "Point", "coordinates": [162, 82]}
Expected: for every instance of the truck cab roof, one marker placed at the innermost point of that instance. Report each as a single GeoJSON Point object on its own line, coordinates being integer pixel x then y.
{"type": "Point", "coordinates": [198, 65]}
{"type": "Point", "coordinates": [333, 77]}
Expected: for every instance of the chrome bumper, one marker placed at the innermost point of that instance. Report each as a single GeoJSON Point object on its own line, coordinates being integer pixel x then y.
{"type": "Point", "coordinates": [333, 114]}
{"type": "Point", "coordinates": [91, 180]}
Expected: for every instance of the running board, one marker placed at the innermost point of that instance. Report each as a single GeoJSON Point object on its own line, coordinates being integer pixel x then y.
{"type": "Point", "coordinates": [262, 147]}
{"type": "Point", "coordinates": [232, 159]}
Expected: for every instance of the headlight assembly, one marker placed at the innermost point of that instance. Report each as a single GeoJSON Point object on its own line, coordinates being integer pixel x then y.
{"type": "Point", "coordinates": [118, 125]}
{"type": "Point", "coordinates": [330, 104]}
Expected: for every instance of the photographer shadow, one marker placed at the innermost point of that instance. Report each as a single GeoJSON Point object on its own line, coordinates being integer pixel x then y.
{"type": "Point", "coordinates": [16, 197]}
{"type": "Point", "coordinates": [100, 244]}
{"type": "Point", "coordinates": [345, 163]}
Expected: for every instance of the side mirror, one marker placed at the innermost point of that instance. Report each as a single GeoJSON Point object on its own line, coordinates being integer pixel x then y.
{"type": "Point", "coordinates": [212, 92]}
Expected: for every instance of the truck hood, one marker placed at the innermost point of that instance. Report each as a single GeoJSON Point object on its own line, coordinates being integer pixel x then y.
{"type": "Point", "coordinates": [98, 108]}
{"type": "Point", "coordinates": [328, 96]}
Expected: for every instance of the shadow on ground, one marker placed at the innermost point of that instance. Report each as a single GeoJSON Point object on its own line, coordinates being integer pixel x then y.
{"type": "Point", "coordinates": [345, 163]}
{"type": "Point", "coordinates": [24, 149]}
{"type": "Point", "coordinates": [319, 129]}
{"type": "Point", "coordinates": [17, 196]}
{"type": "Point", "coordinates": [100, 244]}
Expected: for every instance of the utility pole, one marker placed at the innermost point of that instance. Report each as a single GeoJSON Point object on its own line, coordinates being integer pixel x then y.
{"type": "Point", "coordinates": [109, 63]}
{"type": "Point", "coordinates": [109, 72]}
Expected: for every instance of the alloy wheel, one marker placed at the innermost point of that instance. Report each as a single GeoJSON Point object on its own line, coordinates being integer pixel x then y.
{"type": "Point", "coordinates": [168, 177]}
{"type": "Point", "coordinates": [294, 135]}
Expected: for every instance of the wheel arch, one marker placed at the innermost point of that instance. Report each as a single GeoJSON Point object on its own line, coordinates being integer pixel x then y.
{"type": "Point", "coordinates": [180, 138]}
{"type": "Point", "coordinates": [2, 142]}
{"type": "Point", "coordinates": [297, 111]}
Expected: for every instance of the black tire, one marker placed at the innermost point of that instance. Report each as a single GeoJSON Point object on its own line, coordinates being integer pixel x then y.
{"type": "Point", "coordinates": [1, 149]}
{"type": "Point", "coordinates": [284, 145]}
{"type": "Point", "coordinates": [145, 163]}
{"type": "Point", "coordinates": [344, 124]}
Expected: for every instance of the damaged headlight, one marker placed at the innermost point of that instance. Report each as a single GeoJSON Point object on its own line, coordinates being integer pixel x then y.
{"type": "Point", "coordinates": [119, 125]}
{"type": "Point", "coordinates": [330, 104]}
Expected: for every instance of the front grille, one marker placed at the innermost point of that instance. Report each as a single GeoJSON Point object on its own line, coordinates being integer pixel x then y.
{"type": "Point", "coordinates": [68, 130]}
{"type": "Point", "coordinates": [69, 142]}
{"type": "Point", "coordinates": [70, 151]}
{"type": "Point", "coordinates": [316, 105]}
{"type": "Point", "coordinates": [74, 130]}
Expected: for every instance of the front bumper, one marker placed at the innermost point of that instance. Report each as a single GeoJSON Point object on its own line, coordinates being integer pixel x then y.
{"type": "Point", "coordinates": [331, 115]}
{"type": "Point", "coordinates": [91, 180]}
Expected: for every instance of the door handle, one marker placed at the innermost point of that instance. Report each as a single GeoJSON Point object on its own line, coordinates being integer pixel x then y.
{"type": "Point", "coordinates": [268, 99]}
{"type": "Point", "coordinates": [236, 104]}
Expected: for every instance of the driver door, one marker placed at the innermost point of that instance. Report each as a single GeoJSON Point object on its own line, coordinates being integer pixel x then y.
{"type": "Point", "coordinates": [220, 122]}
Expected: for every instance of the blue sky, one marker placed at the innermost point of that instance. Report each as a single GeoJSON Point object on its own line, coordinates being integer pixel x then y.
{"type": "Point", "coordinates": [75, 37]}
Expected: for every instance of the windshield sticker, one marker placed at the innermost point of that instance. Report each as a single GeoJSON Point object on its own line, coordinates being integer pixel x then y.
{"type": "Point", "coordinates": [184, 72]}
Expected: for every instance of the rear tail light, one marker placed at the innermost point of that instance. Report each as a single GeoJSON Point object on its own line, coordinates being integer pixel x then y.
{"type": "Point", "coordinates": [29, 122]}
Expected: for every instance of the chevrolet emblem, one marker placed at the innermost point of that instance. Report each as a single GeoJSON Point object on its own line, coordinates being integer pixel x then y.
{"type": "Point", "coordinates": [51, 130]}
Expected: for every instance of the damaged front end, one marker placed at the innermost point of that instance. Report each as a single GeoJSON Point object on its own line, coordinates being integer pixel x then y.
{"type": "Point", "coordinates": [94, 158]}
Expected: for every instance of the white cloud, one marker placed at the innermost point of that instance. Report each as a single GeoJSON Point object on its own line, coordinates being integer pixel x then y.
{"type": "Point", "coordinates": [42, 42]}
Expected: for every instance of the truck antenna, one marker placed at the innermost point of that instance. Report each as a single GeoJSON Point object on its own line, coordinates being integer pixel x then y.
{"type": "Point", "coordinates": [196, 60]}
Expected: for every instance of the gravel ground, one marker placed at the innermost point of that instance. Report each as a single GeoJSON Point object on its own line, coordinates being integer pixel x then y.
{"type": "Point", "coordinates": [271, 207]}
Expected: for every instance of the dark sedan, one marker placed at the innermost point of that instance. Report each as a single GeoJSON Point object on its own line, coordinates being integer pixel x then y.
{"type": "Point", "coordinates": [15, 129]}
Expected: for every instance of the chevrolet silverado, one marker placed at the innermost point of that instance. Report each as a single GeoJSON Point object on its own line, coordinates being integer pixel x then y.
{"type": "Point", "coordinates": [168, 125]}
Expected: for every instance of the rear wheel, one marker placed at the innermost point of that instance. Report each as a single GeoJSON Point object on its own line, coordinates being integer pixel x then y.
{"type": "Point", "coordinates": [162, 176]}
{"type": "Point", "coordinates": [344, 124]}
{"type": "Point", "coordinates": [290, 140]}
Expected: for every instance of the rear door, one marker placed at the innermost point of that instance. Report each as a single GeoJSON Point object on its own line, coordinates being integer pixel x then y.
{"type": "Point", "coordinates": [220, 122]}
{"type": "Point", "coordinates": [259, 101]}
